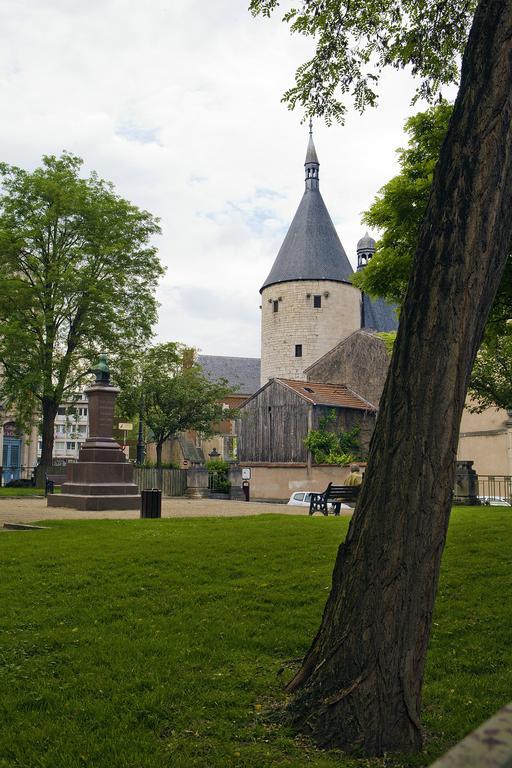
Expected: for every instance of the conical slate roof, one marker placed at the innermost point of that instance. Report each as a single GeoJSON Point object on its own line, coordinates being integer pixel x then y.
{"type": "Point", "coordinates": [311, 249]}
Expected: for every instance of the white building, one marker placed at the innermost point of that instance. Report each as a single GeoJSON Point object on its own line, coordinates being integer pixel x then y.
{"type": "Point", "coordinates": [71, 430]}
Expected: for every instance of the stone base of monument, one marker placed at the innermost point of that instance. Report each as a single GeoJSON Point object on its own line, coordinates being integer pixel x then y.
{"type": "Point", "coordinates": [101, 479]}
{"type": "Point", "coordinates": [97, 503]}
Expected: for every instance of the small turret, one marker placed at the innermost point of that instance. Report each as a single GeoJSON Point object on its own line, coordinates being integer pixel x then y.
{"type": "Point", "coordinates": [365, 251]}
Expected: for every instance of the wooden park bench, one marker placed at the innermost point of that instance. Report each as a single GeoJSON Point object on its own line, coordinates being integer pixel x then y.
{"type": "Point", "coordinates": [51, 480]}
{"type": "Point", "coordinates": [335, 495]}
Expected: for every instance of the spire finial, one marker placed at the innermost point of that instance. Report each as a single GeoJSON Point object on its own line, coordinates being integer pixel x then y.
{"type": "Point", "coordinates": [312, 165]}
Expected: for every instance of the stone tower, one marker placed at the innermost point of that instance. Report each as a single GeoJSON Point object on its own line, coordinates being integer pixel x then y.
{"type": "Point", "coordinates": [308, 304]}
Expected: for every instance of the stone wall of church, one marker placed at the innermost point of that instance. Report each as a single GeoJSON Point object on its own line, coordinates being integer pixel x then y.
{"type": "Point", "coordinates": [290, 318]}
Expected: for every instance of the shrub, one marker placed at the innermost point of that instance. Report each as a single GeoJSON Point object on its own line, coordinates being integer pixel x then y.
{"type": "Point", "coordinates": [220, 469]}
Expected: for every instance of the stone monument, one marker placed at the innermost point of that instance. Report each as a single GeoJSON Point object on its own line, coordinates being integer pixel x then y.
{"type": "Point", "coordinates": [102, 478]}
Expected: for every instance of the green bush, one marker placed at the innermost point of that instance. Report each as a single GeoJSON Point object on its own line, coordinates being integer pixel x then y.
{"type": "Point", "coordinates": [334, 448]}
{"type": "Point", "coordinates": [220, 469]}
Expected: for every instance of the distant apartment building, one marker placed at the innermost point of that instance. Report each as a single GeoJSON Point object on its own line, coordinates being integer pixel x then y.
{"type": "Point", "coordinates": [21, 452]}
{"type": "Point", "coordinates": [71, 430]}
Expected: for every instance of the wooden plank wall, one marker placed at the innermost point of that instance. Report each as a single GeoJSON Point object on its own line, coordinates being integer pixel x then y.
{"type": "Point", "coordinates": [172, 482]}
{"type": "Point", "coordinates": [273, 426]}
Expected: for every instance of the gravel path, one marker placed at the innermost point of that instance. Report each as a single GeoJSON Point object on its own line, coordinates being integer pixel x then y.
{"type": "Point", "coordinates": [30, 509]}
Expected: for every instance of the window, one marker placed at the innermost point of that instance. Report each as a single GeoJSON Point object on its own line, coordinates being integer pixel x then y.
{"type": "Point", "coordinates": [317, 302]}
{"type": "Point", "coordinates": [298, 497]}
{"type": "Point", "coordinates": [308, 389]}
{"type": "Point", "coordinates": [59, 446]}
{"type": "Point", "coordinates": [60, 429]}
{"type": "Point", "coordinates": [70, 445]}
{"type": "Point", "coordinates": [275, 305]}
{"type": "Point", "coordinates": [82, 411]}
{"type": "Point", "coordinates": [61, 411]}
{"type": "Point", "coordinates": [298, 350]}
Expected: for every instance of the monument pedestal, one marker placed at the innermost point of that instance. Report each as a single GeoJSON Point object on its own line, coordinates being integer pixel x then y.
{"type": "Point", "coordinates": [102, 478]}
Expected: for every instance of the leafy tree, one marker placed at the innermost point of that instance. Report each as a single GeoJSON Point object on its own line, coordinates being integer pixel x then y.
{"type": "Point", "coordinates": [359, 686]}
{"type": "Point", "coordinates": [77, 276]}
{"type": "Point", "coordinates": [398, 211]}
{"type": "Point", "coordinates": [491, 379]}
{"type": "Point", "coordinates": [171, 393]}
{"type": "Point", "coordinates": [400, 206]}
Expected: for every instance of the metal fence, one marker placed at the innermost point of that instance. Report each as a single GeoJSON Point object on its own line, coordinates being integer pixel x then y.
{"type": "Point", "coordinates": [495, 488]}
{"type": "Point", "coordinates": [172, 482]}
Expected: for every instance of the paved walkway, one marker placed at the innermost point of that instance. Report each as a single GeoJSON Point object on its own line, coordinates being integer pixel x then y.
{"type": "Point", "coordinates": [30, 509]}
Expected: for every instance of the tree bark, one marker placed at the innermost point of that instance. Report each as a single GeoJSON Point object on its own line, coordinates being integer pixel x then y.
{"type": "Point", "coordinates": [360, 684]}
{"type": "Point", "coordinates": [49, 412]}
{"type": "Point", "coordinates": [159, 454]}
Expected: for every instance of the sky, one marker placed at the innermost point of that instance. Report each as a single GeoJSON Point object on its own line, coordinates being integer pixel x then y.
{"type": "Point", "coordinates": [178, 103]}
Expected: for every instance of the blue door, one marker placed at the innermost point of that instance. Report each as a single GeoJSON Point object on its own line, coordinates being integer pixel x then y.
{"type": "Point", "coordinates": [11, 459]}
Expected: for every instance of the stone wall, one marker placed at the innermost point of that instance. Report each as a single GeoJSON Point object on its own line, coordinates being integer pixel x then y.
{"type": "Point", "coordinates": [486, 439]}
{"type": "Point", "coordinates": [297, 321]}
{"type": "Point", "coordinates": [278, 481]}
{"type": "Point", "coordinates": [360, 361]}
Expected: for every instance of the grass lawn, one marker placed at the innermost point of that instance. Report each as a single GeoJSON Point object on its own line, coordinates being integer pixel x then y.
{"type": "Point", "coordinates": [153, 643]}
{"type": "Point", "coordinates": [21, 492]}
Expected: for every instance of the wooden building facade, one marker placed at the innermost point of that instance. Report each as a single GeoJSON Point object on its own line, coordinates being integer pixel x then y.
{"type": "Point", "coordinates": [277, 418]}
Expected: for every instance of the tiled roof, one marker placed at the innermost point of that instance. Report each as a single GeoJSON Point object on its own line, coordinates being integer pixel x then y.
{"type": "Point", "coordinates": [242, 373]}
{"type": "Point", "coordinates": [337, 395]}
{"type": "Point", "coordinates": [379, 315]}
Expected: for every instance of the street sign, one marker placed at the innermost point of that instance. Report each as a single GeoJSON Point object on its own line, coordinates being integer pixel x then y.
{"type": "Point", "coordinates": [126, 426]}
{"type": "Point", "coordinates": [246, 473]}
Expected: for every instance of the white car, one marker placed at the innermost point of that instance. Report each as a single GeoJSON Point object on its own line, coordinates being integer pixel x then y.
{"type": "Point", "coordinates": [495, 501]}
{"type": "Point", "coordinates": [303, 499]}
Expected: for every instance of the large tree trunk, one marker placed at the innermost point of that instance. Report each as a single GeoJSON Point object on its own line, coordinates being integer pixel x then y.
{"type": "Point", "coordinates": [159, 454]}
{"type": "Point", "coordinates": [360, 683]}
{"type": "Point", "coordinates": [49, 412]}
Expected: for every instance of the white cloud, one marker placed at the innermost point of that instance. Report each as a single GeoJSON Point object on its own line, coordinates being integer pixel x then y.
{"type": "Point", "coordinates": [179, 105]}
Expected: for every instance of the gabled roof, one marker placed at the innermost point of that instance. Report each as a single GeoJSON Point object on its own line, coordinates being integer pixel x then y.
{"type": "Point", "coordinates": [337, 395]}
{"type": "Point", "coordinates": [378, 314]}
{"type": "Point", "coordinates": [365, 332]}
{"type": "Point", "coordinates": [242, 373]}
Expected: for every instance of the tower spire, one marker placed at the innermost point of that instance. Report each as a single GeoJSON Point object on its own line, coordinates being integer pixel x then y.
{"type": "Point", "coordinates": [312, 166]}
